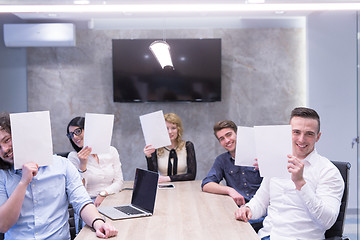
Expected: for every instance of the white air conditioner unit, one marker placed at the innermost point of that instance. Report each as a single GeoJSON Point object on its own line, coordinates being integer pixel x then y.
{"type": "Point", "coordinates": [40, 35]}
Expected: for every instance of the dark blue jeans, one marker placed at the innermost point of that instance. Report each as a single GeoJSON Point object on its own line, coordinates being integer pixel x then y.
{"type": "Point", "coordinates": [256, 220]}
{"type": "Point", "coordinates": [266, 238]}
{"type": "Point", "coordinates": [257, 224]}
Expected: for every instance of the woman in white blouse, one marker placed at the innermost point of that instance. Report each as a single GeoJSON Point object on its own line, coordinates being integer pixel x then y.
{"type": "Point", "coordinates": [101, 173]}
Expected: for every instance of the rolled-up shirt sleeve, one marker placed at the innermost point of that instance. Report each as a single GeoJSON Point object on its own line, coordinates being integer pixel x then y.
{"type": "Point", "coordinates": [3, 194]}
{"type": "Point", "coordinates": [216, 173]}
{"type": "Point", "coordinates": [75, 189]}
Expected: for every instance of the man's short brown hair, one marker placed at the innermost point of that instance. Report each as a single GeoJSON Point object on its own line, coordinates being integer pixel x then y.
{"type": "Point", "coordinates": [224, 124]}
{"type": "Point", "coordinates": [5, 126]}
{"type": "Point", "coordinates": [306, 113]}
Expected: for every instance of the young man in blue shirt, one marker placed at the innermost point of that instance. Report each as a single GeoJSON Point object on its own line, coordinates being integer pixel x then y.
{"type": "Point", "coordinates": [241, 182]}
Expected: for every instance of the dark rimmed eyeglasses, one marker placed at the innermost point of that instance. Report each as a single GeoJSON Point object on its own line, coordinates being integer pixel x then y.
{"type": "Point", "coordinates": [76, 132]}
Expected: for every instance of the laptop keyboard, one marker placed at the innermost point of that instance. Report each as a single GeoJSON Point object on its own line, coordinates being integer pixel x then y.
{"type": "Point", "coordinates": [128, 210]}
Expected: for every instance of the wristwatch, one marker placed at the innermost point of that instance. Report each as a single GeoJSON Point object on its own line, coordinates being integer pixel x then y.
{"type": "Point", "coordinates": [103, 194]}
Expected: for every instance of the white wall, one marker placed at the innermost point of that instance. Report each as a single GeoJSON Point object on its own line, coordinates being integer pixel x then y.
{"type": "Point", "coordinates": [332, 86]}
{"type": "Point", "coordinates": [13, 90]}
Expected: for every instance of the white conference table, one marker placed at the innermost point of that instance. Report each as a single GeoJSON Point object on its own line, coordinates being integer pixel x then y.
{"type": "Point", "coordinates": [181, 213]}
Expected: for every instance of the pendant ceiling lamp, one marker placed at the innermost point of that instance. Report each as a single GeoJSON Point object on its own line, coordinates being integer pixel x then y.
{"type": "Point", "coordinates": [161, 51]}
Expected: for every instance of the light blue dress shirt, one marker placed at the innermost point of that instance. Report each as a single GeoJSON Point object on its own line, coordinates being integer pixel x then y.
{"type": "Point", "coordinates": [44, 213]}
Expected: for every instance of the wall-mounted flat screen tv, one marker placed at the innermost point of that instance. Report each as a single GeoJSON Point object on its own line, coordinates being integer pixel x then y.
{"type": "Point", "coordinates": [138, 77]}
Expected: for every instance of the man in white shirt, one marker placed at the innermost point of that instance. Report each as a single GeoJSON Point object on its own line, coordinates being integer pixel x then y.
{"type": "Point", "coordinates": [308, 204]}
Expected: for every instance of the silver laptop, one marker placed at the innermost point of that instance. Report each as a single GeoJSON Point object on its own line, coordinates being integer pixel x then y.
{"type": "Point", "coordinates": [142, 201]}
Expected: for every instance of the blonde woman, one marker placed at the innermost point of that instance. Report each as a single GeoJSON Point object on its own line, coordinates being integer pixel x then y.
{"type": "Point", "coordinates": [176, 162]}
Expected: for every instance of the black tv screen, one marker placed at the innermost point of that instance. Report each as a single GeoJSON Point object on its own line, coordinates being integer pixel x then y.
{"type": "Point", "coordinates": [138, 77]}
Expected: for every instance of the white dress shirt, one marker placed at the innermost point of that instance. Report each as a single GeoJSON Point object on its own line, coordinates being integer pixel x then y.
{"type": "Point", "coordinates": [304, 214]}
{"type": "Point", "coordinates": [103, 176]}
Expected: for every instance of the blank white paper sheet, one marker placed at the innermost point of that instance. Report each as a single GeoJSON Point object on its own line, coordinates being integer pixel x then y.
{"type": "Point", "coordinates": [245, 152]}
{"type": "Point", "coordinates": [31, 138]}
{"type": "Point", "coordinates": [155, 130]}
{"type": "Point", "coordinates": [273, 144]}
{"type": "Point", "coordinates": [98, 132]}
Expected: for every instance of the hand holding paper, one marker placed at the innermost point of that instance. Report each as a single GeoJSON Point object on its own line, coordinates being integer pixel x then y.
{"type": "Point", "coordinates": [29, 170]}
{"type": "Point", "coordinates": [148, 150]}
{"type": "Point", "coordinates": [296, 168]}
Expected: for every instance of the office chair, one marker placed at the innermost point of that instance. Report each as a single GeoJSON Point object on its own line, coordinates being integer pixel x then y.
{"type": "Point", "coordinates": [63, 154]}
{"type": "Point", "coordinates": [336, 231]}
{"type": "Point", "coordinates": [72, 222]}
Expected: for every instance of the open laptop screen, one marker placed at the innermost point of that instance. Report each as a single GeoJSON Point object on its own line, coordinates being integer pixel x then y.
{"type": "Point", "coordinates": [145, 188]}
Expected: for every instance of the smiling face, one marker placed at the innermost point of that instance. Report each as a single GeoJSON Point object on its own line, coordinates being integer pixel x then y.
{"type": "Point", "coordinates": [6, 150]}
{"type": "Point", "coordinates": [227, 139]}
{"type": "Point", "coordinates": [304, 136]}
{"type": "Point", "coordinates": [78, 140]}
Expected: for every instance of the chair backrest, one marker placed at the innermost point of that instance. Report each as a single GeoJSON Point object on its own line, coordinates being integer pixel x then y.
{"type": "Point", "coordinates": [337, 229]}
{"type": "Point", "coordinates": [72, 222]}
{"type": "Point", "coordinates": [63, 154]}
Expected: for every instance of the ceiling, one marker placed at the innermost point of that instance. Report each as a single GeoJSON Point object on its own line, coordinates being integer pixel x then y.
{"type": "Point", "coordinates": [119, 18]}
{"type": "Point", "coordinates": [63, 2]}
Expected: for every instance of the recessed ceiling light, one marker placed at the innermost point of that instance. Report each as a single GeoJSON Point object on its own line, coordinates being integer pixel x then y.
{"type": "Point", "coordinates": [52, 15]}
{"type": "Point", "coordinates": [81, 2]}
{"type": "Point", "coordinates": [255, 1]}
{"type": "Point", "coordinates": [279, 12]}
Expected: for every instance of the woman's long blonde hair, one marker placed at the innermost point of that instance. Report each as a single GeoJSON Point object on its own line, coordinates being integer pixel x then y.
{"type": "Point", "coordinates": [174, 119]}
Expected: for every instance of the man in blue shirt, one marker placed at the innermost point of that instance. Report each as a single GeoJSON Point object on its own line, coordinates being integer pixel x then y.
{"type": "Point", "coordinates": [34, 200]}
{"type": "Point", "coordinates": [241, 182]}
